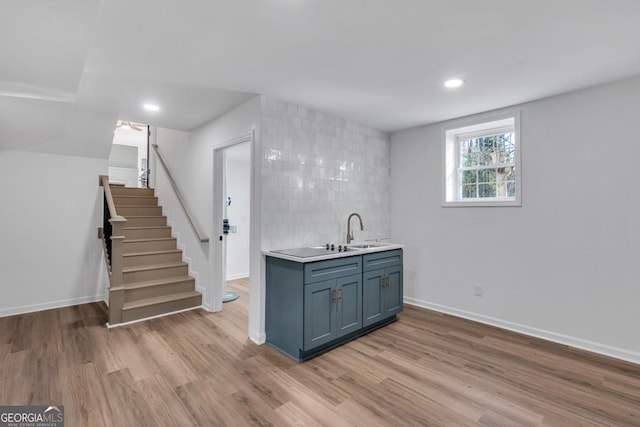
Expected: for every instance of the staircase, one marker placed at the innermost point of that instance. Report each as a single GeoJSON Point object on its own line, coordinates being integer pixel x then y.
{"type": "Point", "coordinates": [155, 280]}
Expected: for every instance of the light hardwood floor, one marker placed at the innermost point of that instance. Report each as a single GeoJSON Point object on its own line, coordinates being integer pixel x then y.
{"type": "Point", "coordinates": [198, 368]}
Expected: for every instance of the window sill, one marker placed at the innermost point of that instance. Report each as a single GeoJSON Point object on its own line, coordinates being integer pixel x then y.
{"type": "Point", "coordinates": [482, 204]}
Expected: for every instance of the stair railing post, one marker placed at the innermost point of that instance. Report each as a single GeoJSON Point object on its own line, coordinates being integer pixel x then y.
{"type": "Point", "coordinates": [116, 291]}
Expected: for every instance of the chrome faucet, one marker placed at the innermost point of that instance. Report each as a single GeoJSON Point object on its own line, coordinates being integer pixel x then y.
{"type": "Point", "coordinates": [349, 232]}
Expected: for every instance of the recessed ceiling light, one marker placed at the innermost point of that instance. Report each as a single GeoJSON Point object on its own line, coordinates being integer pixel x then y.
{"type": "Point", "coordinates": [451, 83]}
{"type": "Point", "coordinates": [151, 107]}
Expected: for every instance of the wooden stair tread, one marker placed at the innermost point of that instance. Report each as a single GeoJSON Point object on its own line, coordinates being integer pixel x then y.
{"type": "Point", "coordinates": [159, 300]}
{"type": "Point", "coordinates": [155, 278]}
{"type": "Point", "coordinates": [131, 189]}
{"type": "Point", "coordinates": [166, 251]}
{"type": "Point", "coordinates": [157, 282]}
{"type": "Point", "coordinates": [153, 266]}
{"type": "Point", "coordinates": [147, 227]}
{"type": "Point", "coordinates": [149, 239]}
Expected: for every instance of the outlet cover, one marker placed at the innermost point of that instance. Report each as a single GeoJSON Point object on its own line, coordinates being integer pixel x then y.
{"type": "Point", "coordinates": [477, 290]}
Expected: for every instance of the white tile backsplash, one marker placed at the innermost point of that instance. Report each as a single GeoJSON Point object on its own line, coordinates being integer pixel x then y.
{"type": "Point", "coordinates": [316, 170]}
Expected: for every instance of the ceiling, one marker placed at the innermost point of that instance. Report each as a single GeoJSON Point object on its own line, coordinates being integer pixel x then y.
{"type": "Point", "coordinates": [71, 68]}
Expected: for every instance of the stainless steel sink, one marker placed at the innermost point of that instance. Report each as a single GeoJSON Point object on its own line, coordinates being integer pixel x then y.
{"type": "Point", "coordinates": [369, 245]}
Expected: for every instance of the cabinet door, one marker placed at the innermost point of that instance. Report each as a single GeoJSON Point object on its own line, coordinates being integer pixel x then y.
{"type": "Point", "coordinates": [372, 297]}
{"type": "Point", "coordinates": [319, 314]}
{"type": "Point", "coordinates": [393, 292]}
{"type": "Point", "coordinates": [349, 307]}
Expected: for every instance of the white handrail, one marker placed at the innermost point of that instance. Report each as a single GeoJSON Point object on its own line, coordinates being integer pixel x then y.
{"type": "Point", "coordinates": [194, 223]}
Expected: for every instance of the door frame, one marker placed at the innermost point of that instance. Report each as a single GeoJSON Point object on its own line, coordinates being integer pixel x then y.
{"type": "Point", "coordinates": [218, 264]}
{"type": "Point", "coordinates": [147, 171]}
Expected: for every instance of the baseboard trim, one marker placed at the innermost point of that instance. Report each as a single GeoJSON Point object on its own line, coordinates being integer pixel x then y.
{"type": "Point", "coordinates": [257, 337]}
{"type": "Point", "coordinates": [117, 325]}
{"type": "Point", "coordinates": [594, 347]}
{"type": "Point", "coordinates": [32, 308]}
{"type": "Point", "coordinates": [205, 303]}
{"type": "Point", "coordinates": [237, 276]}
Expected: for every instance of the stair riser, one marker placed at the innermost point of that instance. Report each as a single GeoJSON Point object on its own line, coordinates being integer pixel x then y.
{"type": "Point", "coordinates": [125, 191]}
{"type": "Point", "coordinates": [135, 201]}
{"type": "Point", "coordinates": [137, 260]}
{"type": "Point", "coordinates": [147, 233]}
{"type": "Point", "coordinates": [154, 310]}
{"type": "Point", "coordinates": [145, 221]}
{"type": "Point", "coordinates": [156, 221]}
{"type": "Point", "coordinates": [159, 273]}
{"type": "Point", "coordinates": [159, 290]}
{"type": "Point", "coordinates": [161, 245]}
{"type": "Point", "coordinates": [140, 211]}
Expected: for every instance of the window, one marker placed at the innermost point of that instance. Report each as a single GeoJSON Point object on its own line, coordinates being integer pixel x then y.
{"type": "Point", "coordinates": [482, 162]}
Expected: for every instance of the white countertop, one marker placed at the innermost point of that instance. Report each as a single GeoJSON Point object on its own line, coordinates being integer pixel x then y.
{"type": "Point", "coordinates": [335, 254]}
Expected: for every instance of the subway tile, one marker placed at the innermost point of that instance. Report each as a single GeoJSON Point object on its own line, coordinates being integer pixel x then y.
{"type": "Point", "coordinates": [317, 169]}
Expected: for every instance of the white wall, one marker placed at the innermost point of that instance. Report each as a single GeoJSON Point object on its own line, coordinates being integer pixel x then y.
{"type": "Point", "coordinates": [50, 255]}
{"type": "Point", "coordinates": [562, 265]}
{"type": "Point", "coordinates": [190, 157]}
{"type": "Point", "coordinates": [239, 189]}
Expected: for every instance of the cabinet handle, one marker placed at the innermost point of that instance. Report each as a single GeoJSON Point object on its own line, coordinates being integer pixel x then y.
{"type": "Point", "coordinates": [339, 294]}
{"type": "Point", "coordinates": [386, 281]}
{"type": "Point", "coordinates": [335, 301]}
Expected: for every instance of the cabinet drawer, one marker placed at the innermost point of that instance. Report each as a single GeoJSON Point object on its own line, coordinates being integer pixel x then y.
{"type": "Point", "coordinates": [384, 259]}
{"type": "Point", "coordinates": [332, 269]}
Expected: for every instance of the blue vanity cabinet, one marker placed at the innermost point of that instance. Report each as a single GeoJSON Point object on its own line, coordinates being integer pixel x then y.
{"type": "Point", "coordinates": [332, 299]}
{"type": "Point", "coordinates": [284, 305]}
{"type": "Point", "coordinates": [332, 309]}
{"type": "Point", "coordinates": [314, 306]}
{"type": "Point", "coordinates": [382, 286]}
{"type": "Point", "coordinates": [349, 305]}
{"type": "Point", "coordinates": [394, 292]}
{"type": "Point", "coordinates": [311, 306]}
{"type": "Point", "coordinates": [319, 313]}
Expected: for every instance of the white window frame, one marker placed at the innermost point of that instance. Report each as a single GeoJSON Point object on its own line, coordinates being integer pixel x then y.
{"type": "Point", "coordinates": [484, 124]}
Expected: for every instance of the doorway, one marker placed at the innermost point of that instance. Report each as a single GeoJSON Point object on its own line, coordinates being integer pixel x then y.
{"type": "Point", "coordinates": [128, 161]}
{"type": "Point", "coordinates": [234, 201]}
{"type": "Point", "coordinates": [236, 222]}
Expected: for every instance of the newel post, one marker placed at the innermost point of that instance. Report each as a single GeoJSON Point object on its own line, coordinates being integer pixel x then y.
{"type": "Point", "coordinates": [116, 291]}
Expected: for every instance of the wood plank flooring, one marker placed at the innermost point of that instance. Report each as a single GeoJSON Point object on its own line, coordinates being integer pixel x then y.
{"type": "Point", "coordinates": [199, 368]}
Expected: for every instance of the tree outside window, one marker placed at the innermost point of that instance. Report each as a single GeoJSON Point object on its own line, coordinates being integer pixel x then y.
{"type": "Point", "coordinates": [487, 166]}
{"type": "Point", "coordinates": [482, 164]}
